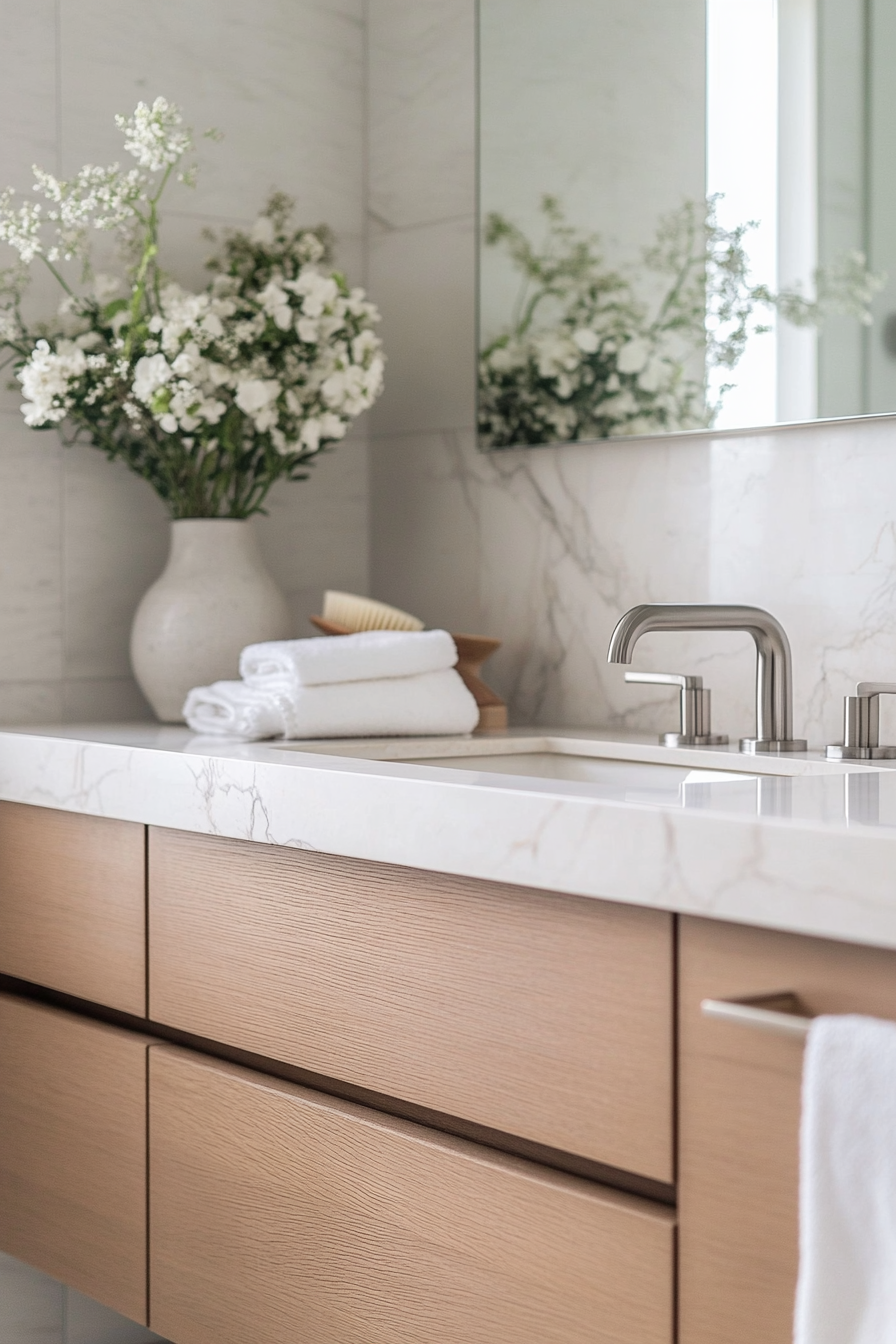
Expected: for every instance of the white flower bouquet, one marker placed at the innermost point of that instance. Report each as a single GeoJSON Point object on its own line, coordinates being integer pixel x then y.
{"type": "Point", "coordinates": [210, 396]}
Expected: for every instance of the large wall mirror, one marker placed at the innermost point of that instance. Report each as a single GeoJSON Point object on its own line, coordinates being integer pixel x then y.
{"type": "Point", "coordinates": [687, 215]}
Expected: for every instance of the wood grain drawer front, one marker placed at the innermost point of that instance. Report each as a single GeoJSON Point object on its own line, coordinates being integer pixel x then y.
{"type": "Point", "coordinates": [72, 904]}
{"type": "Point", "coordinates": [545, 1016]}
{"type": "Point", "coordinates": [73, 1151]}
{"type": "Point", "coordinates": [279, 1214]}
{"type": "Point", "coordinates": [739, 1121]}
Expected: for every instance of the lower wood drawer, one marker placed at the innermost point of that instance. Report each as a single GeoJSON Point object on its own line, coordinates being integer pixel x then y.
{"type": "Point", "coordinates": [73, 1151]}
{"type": "Point", "coordinates": [739, 1121]}
{"type": "Point", "coordinates": [542, 1015]}
{"type": "Point", "coordinates": [279, 1214]}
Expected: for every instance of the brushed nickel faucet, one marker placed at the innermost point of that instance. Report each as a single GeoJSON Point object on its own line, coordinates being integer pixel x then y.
{"type": "Point", "coordinates": [774, 690]}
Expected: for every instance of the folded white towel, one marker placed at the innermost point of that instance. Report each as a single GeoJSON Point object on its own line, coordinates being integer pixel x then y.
{"type": "Point", "coordinates": [431, 704]}
{"type": "Point", "coordinates": [233, 709]}
{"type": "Point", "coordinates": [847, 1280]}
{"type": "Point", "coordinates": [368, 656]}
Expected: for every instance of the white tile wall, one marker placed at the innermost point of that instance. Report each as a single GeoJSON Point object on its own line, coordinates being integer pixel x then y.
{"type": "Point", "coordinates": [29, 90]}
{"type": "Point", "coordinates": [428, 314]}
{"type": "Point", "coordinates": [315, 535]}
{"type": "Point", "coordinates": [282, 81]}
{"type": "Point", "coordinates": [31, 511]}
{"type": "Point", "coordinates": [113, 525]}
{"type": "Point", "coordinates": [423, 111]}
{"type": "Point", "coordinates": [554, 544]}
{"type": "Point", "coordinates": [80, 538]}
{"type": "Point", "coordinates": [428, 538]}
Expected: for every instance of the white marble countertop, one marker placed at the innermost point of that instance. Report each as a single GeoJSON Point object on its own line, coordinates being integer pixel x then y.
{"type": "Point", "coordinates": [797, 845]}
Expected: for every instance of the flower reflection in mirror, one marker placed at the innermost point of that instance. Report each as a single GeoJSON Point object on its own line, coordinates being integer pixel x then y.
{"type": "Point", "coordinates": [595, 352]}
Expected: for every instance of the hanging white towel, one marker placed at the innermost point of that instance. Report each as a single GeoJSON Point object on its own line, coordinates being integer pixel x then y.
{"type": "Point", "coordinates": [369, 656]}
{"type": "Point", "coordinates": [847, 1280]}
{"type": "Point", "coordinates": [431, 704]}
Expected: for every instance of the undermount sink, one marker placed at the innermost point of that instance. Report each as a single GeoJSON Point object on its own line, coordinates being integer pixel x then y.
{"type": "Point", "coordinates": [580, 769]}
{"type": "Point", "coordinates": [585, 757]}
{"type": "Point", "coordinates": [621, 768]}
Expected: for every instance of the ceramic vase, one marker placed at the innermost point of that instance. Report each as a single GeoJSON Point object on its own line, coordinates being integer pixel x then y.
{"type": "Point", "coordinates": [213, 598]}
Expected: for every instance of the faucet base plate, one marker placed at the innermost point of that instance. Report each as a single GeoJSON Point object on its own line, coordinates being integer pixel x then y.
{"type": "Point", "coordinates": [753, 746]}
{"type": "Point", "coordinates": [688, 740]}
{"type": "Point", "coordinates": [838, 753]}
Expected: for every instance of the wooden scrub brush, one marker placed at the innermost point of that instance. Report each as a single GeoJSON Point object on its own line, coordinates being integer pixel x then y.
{"type": "Point", "coordinates": [347, 614]}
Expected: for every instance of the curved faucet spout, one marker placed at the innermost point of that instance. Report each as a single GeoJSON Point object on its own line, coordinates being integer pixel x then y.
{"type": "Point", "coordinates": [774, 692]}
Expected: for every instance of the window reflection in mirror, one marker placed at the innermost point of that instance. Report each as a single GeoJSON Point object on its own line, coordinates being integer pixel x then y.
{"type": "Point", "coordinates": [686, 215]}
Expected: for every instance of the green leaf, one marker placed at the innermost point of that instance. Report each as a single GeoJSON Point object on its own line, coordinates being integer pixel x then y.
{"type": "Point", "coordinates": [116, 306]}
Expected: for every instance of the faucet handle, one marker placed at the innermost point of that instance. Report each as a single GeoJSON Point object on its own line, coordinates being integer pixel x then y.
{"type": "Point", "coordinates": [694, 730]}
{"type": "Point", "coordinates": [861, 725]}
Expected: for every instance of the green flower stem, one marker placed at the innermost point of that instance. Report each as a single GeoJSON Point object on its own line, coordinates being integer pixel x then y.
{"type": "Point", "coordinates": [50, 267]}
{"type": "Point", "coordinates": [147, 260]}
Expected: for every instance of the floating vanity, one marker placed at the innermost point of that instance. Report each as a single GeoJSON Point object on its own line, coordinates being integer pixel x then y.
{"type": "Point", "coordinates": [404, 1040]}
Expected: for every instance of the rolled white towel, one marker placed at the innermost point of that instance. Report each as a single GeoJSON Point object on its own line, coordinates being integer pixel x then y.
{"type": "Point", "coordinates": [368, 656]}
{"type": "Point", "coordinates": [431, 704]}
{"type": "Point", "coordinates": [233, 709]}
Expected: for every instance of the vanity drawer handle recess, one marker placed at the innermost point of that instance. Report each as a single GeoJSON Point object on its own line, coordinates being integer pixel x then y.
{"type": "Point", "coordinates": [782, 1014]}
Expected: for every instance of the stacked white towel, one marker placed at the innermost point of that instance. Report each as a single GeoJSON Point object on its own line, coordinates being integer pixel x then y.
{"type": "Point", "coordinates": [847, 1281]}
{"type": "Point", "coordinates": [369, 656]}
{"type": "Point", "coordinates": [382, 683]}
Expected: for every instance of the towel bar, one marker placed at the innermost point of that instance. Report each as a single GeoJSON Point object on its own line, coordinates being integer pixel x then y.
{"type": "Point", "coordinates": [783, 1013]}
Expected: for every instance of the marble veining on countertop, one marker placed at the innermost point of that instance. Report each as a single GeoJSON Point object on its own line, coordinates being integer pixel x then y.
{"type": "Point", "coordinates": [812, 852]}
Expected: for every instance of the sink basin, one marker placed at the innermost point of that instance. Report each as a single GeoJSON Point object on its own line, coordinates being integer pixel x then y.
{"type": "Point", "coordinates": [617, 766]}
{"type": "Point", "coordinates": [577, 756]}
{"type": "Point", "coordinates": [582, 769]}
{"type": "Point", "coordinates": [635, 781]}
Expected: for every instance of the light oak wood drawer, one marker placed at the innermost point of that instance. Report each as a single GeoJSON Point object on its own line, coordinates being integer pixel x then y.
{"type": "Point", "coordinates": [73, 1151]}
{"type": "Point", "coordinates": [544, 1016]}
{"type": "Point", "coordinates": [739, 1121]}
{"type": "Point", "coordinates": [72, 904]}
{"type": "Point", "coordinates": [278, 1214]}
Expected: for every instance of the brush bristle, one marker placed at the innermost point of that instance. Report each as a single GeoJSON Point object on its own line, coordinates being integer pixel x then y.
{"type": "Point", "coordinates": [363, 613]}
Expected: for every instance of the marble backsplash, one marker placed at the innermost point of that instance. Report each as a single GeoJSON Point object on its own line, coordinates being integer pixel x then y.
{"type": "Point", "coordinates": [547, 547]}
{"type": "Point", "coordinates": [800, 522]}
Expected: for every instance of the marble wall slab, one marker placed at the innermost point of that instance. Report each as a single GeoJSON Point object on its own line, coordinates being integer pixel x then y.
{"type": "Point", "coordinates": [80, 538]}
{"type": "Point", "coordinates": [547, 547]}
